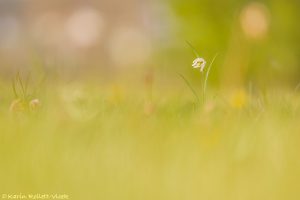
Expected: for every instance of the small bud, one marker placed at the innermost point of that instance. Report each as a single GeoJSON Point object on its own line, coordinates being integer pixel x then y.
{"type": "Point", "coordinates": [17, 106]}
{"type": "Point", "coordinates": [34, 104]}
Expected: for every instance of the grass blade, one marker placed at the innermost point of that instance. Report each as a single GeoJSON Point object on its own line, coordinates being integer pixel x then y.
{"type": "Point", "coordinates": [190, 86]}
{"type": "Point", "coordinates": [14, 89]}
{"type": "Point", "coordinates": [206, 77]}
{"type": "Point", "coordinates": [193, 48]}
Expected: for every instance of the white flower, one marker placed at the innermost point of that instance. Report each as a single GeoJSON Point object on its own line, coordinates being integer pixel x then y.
{"type": "Point", "coordinates": [199, 63]}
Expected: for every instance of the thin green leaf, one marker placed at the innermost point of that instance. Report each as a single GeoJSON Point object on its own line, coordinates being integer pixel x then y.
{"type": "Point", "coordinates": [206, 76]}
{"type": "Point", "coordinates": [14, 89]}
{"type": "Point", "coordinates": [193, 48]}
{"type": "Point", "coordinates": [190, 86]}
{"type": "Point", "coordinates": [26, 84]}
{"type": "Point", "coordinates": [21, 84]}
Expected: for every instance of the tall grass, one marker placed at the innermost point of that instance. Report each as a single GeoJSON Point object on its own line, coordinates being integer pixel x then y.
{"type": "Point", "coordinates": [88, 142]}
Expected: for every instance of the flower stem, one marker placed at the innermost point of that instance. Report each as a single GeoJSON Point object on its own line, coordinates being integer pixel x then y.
{"type": "Point", "coordinates": [206, 77]}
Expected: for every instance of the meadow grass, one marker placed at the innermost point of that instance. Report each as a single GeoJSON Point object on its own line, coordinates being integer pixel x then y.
{"type": "Point", "coordinates": [112, 142]}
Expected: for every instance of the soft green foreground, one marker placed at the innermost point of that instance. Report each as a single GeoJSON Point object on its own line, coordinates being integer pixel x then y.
{"type": "Point", "coordinates": [115, 143]}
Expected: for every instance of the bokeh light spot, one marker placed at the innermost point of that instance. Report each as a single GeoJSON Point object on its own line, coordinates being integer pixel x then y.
{"type": "Point", "coordinates": [255, 21]}
{"type": "Point", "coordinates": [84, 27]}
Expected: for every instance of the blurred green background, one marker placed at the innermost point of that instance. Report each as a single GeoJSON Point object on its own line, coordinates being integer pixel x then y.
{"type": "Point", "coordinates": [257, 41]}
{"type": "Point", "coordinates": [101, 113]}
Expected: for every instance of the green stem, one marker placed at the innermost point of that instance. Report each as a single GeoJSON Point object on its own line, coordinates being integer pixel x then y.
{"type": "Point", "coordinates": [206, 77]}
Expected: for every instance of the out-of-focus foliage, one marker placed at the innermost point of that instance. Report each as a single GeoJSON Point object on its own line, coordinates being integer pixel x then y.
{"type": "Point", "coordinates": [106, 103]}
{"type": "Point", "coordinates": [258, 41]}
{"type": "Point", "coordinates": [93, 142]}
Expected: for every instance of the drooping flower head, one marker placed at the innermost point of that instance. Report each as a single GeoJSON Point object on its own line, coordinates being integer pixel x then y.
{"type": "Point", "coordinates": [199, 63]}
